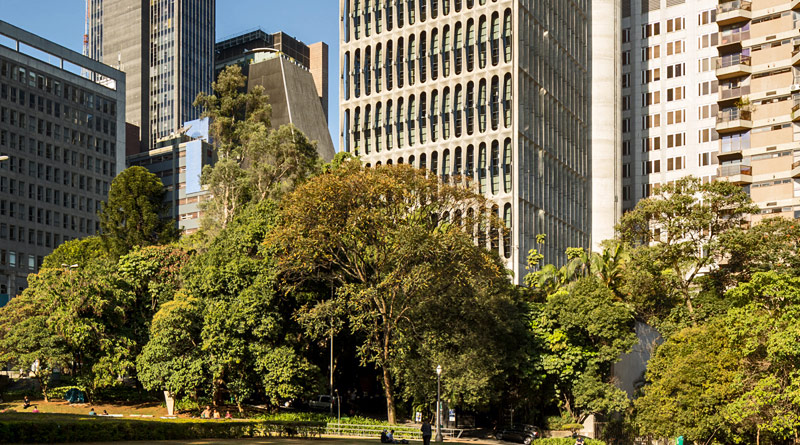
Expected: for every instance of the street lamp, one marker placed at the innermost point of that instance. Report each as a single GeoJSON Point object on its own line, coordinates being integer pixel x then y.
{"type": "Point", "coordinates": [3, 158]}
{"type": "Point", "coordinates": [438, 404]}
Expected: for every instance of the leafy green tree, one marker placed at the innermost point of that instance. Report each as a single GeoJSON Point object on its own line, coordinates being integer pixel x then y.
{"type": "Point", "coordinates": [173, 360]}
{"type": "Point", "coordinates": [136, 214]}
{"type": "Point", "coordinates": [78, 251]}
{"type": "Point", "coordinates": [582, 330]}
{"type": "Point", "coordinates": [26, 339]}
{"type": "Point", "coordinates": [255, 162]}
{"type": "Point", "coordinates": [683, 226]}
{"type": "Point", "coordinates": [248, 336]}
{"type": "Point", "coordinates": [390, 239]}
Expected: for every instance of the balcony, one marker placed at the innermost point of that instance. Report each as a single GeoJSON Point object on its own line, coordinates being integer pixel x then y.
{"type": "Point", "coordinates": [733, 38]}
{"type": "Point", "coordinates": [796, 169]}
{"type": "Point", "coordinates": [795, 5]}
{"type": "Point", "coordinates": [796, 56]}
{"type": "Point", "coordinates": [730, 155]}
{"type": "Point", "coordinates": [733, 93]}
{"type": "Point", "coordinates": [796, 111]}
{"type": "Point", "coordinates": [733, 120]}
{"type": "Point", "coordinates": [736, 174]}
{"type": "Point", "coordinates": [733, 12]}
{"type": "Point", "coordinates": [733, 65]}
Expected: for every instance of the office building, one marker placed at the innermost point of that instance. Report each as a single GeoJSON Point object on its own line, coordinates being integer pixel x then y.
{"type": "Point", "coordinates": [178, 161]}
{"type": "Point", "coordinates": [496, 92]}
{"type": "Point", "coordinates": [166, 49]}
{"type": "Point", "coordinates": [64, 137]}
{"type": "Point", "coordinates": [293, 75]}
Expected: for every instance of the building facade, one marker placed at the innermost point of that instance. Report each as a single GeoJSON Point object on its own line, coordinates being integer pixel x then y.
{"type": "Point", "coordinates": [295, 86]}
{"type": "Point", "coordinates": [670, 93]}
{"type": "Point", "coordinates": [178, 161]}
{"type": "Point", "coordinates": [166, 49]}
{"type": "Point", "coordinates": [242, 50]}
{"type": "Point", "coordinates": [494, 92]}
{"type": "Point", "coordinates": [64, 135]}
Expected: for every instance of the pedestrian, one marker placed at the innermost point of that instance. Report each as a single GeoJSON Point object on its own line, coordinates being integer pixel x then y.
{"type": "Point", "coordinates": [426, 432]}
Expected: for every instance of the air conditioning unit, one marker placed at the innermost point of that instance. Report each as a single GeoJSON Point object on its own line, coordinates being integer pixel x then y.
{"type": "Point", "coordinates": [795, 87]}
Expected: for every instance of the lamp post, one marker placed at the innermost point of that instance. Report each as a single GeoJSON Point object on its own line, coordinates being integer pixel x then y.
{"type": "Point", "coordinates": [438, 404]}
{"type": "Point", "coordinates": [3, 157]}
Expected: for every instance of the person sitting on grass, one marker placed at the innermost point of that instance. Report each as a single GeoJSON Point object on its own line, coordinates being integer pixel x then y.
{"type": "Point", "coordinates": [216, 414]}
{"type": "Point", "coordinates": [228, 415]}
{"type": "Point", "coordinates": [105, 413]}
{"type": "Point", "coordinates": [35, 409]}
{"type": "Point", "coordinates": [91, 412]}
{"type": "Point", "coordinates": [26, 403]}
{"type": "Point", "coordinates": [206, 414]}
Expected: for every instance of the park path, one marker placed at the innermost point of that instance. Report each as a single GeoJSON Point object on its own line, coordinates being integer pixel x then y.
{"type": "Point", "coordinates": [285, 441]}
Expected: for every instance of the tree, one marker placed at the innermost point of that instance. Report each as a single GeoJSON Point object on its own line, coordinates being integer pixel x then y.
{"type": "Point", "coordinates": [683, 225]}
{"type": "Point", "coordinates": [248, 336]}
{"type": "Point", "coordinates": [136, 214]}
{"type": "Point", "coordinates": [78, 251]}
{"type": "Point", "coordinates": [255, 162]}
{"type": "Point", "coordinates": [582, 330]}
{"type": "Point", "coordinates": [27, 340]}
{"type": "Point", "coordinates": [390, 239]}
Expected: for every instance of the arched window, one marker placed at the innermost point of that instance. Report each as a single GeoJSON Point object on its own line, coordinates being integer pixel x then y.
{"type": "Point", "coordinates": [357, 74]}
{"type": "Point", "coordinates": [346, 19]}
{"type": "Point", "coordinates": [507, 40]}
{"type": "Point", "coordinates": [400, 18]}
{"type": "Point", "coordinates": [470, 45]}
{"type": "Point", "coordinates": [446, 44]}
{"type": "Point", "coordinates": [422, 118]}
{"type": "Point", "coordinates": [347, 131]}
{"type": "Point", "coordinates": [457, 104]}
{"type": "Point", "coordinates": [423, 10]}
{"type": "Point", "coordinates": [482, 106]}
{"type": "Point", "coordinates": [423, 57]}
{"type": "Point", "coordinates": [412, 55]}
{"type": "Point", "coordinates": [434, 8]}
{"type": "Point", "coordinates": [367, 130]}
{"type": "Point", "coordinates": [378, 67]}
{"type": "Point", "coordinates": [446, 165]}
{"type": "Point", "coordinates": [457, 162]}
{"type": "Point", "coordinates": [507, 101]}
{"type": "Point", "coordinates": [378, 127]}
{"type": "Point", "coordinates": [507, 231]}
{"type": "Point", "coordinates": [389, 7]}
{"type": "Point", "coordinates": [446, 113]}
{"type": "Point", "coordinates": [495, 167]}
{"type": "Point", "coordinates": [367, 71]}
{"type": "Point", "coordinates": [470, 4]}
{"type": "Point", "coordinates": [411, 119]}
{"type": "Point", "coordinates": [495, 236]}
{"type": "Point", "coordinates": [458, 44]}
{"type": "Point", "coordinates": [495, 38]}
{"type": "Point", "coordinates": [400, 122]}
{"type": "Point", "coordinates": [435, 115]}
{"type": "Point", "coordinates": [435, 163]}
{"type": "Point", "coordinates": [482, 40]}
{"type": "Point", "coordinates": [445, 7]}
{"type": "Point", "coordinates": [347, 76]}
{"type": "Point", "coordinates": [378, 17]}
{"type": "Point", "coordinates": [482, 168]}
{"type": "Point", "coordinates": [507, 165]}
{"type": "Point", "coordinates": [469, 168]}
{"type": "Point", "coordinates": [411, 161]}
{"type": "Point", "coordinates": [356, 19]}
{"type": "Point", "coordinates": [357, 131]}
{"type": "Point", "coordinates": [434, 55]}
{"type": "Point", "coordinates": [388, 65]}
{"type": "Point", "coordinates": [400, 160]}
{"type": "Point", "coordinates": [495, 102]}
{"type": "Point", "coordinates": [367, 17]}
{"type": "Point", "coordinates": [399, 62]}
{"type": "Point", "coordinates": [470, 107]}
{"type": "Point", "coordinates": [457, 5]}
{"type": "Point", "coordinates": [412, 12]}
{"type": "Point", "coordinates": [389, 126]}
{"type": "Point", "coordinates": [422, 162]}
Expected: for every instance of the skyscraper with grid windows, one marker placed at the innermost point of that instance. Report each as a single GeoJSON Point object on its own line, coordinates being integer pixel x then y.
{"type": "Point", "coordinates": [495, 93]}
{"type": "Point", "coordinates": [165, 48]}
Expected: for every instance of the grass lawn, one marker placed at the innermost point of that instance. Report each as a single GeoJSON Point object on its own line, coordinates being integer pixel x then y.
{"type": "Point", "coordinates": [62, 407]}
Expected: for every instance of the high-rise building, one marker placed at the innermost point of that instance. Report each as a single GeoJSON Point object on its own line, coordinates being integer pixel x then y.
{"type": "Point", "coordinates": [711, 89]}
{"type": "Point", "coordinates": [496, 92]}
{"type": "Point", "coordinates": [242, 50]}
{"type": "Point", "coordinates": [166, 49]}
{"type": "Point", "coordinates": [670, 94]}
{"type": "Point", "coordinates": [293, 75]}
{"type": "Point", "coordinates": [64, 135]}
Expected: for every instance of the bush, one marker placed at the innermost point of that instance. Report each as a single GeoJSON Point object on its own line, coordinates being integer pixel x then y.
{"type": "Point", "coordinates": [566, 441]}
{"type": "Point", "coordinates": [28, 428]}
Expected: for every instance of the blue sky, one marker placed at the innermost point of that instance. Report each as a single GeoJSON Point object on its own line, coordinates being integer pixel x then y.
{"type": "Point", "coordinates": [310, 21]}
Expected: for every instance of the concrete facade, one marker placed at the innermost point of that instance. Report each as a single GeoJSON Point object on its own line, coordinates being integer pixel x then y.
{"type": "Point", "coordinates": [166, 48]}
{"type": "Point", "coordinates": [64, 135]}
{"type": "Point", "coordinates": [495, 93]}
{"type": "Point", "coordinates": [606, 183]}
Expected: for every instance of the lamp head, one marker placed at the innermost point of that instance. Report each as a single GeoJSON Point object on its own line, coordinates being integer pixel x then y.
{"type": "Point", "coordinates": [439, 370]}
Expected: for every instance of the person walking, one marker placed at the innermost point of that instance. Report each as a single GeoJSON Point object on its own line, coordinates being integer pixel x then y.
{"type": "Point", "coordinates": [426, 432]}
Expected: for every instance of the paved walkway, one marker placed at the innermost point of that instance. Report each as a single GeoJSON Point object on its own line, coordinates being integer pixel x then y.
{"type": "Point", "coordinates": [286, 441]}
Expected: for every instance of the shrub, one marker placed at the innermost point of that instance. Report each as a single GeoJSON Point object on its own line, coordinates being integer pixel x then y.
{"type": "Point", "coordinates": [28, 428]}
{"type": "Point", "coordinates": [566, 441]}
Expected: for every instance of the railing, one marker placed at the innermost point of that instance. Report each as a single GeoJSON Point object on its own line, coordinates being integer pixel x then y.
{"type": "Point", "coordinates": [733, 170]}
{"type": "Point", "coordinates": [400, 432]}
{"type": "Point", "coordinates": [731, 37]}
{"type": "Point", "coordinates": [734, 6]}
{"type": "Point", "coordinates": [732, 60]}
{"type": "Point", "coordinates": [732, 115]}
{"type": "Point", "coordinates": [795, 164]}
{"type": "Point", "coordinates": [729, 93]}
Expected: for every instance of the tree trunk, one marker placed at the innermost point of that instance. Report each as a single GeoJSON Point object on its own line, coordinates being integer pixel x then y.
{"type": "Point", "coordinates": [387, 389]}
